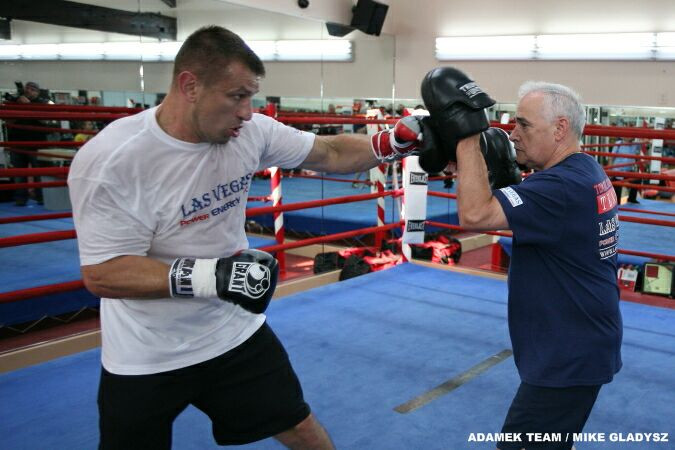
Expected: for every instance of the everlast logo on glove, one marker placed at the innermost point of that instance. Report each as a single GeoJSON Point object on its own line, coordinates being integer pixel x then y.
{"type": "Point", "coordinates": [415, 225]}
{"type": "Point", "coordinates": [419, 178]}
{"type": "Point", "coordinates": [250, 279]}
{"type": "Point", "coordinates": [471, 89]}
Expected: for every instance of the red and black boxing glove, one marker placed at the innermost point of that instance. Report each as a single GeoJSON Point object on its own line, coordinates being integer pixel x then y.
{"type": "Point", "coordinates": [403, 140]}
{"type": "Point", "coordinates": [412, 135]}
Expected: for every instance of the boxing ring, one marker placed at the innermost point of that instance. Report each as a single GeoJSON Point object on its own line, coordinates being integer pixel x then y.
{"type": "Point", "coordinates": [54, 287]}
{"type": "Point", "coordinates": [369, 347]}
{"type": "Point", "coordinates": [410, 357]}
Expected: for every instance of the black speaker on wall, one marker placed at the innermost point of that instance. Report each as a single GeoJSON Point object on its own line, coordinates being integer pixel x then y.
{"type": "Point", "coordinates": [369, 16]}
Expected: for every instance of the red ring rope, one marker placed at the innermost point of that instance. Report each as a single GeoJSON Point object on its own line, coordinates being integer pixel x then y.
{"type": "Point", "coordinates": [340, 180]}
{"type": "Point", "coordinates": [57, 115]}
{"type": "Point", "coordinates": [41, 144]}
{"type": "Point", "coordinates": [330, 237]}
{"type": "Point", "coordinates": [334, 121]}
{"type": "Point", "coordinates": [616, 144]}
{"type": "Point", "coordinates": [36, 171]}
{"type": "Point", "coordinates": [49, 129]}
{"type": "Point", "coordinates": [24, 294]}
{"type": "Point", "coordinates": [655, 187]}
{"type": "Point", "coordinates": [36, 217]}
{"type": "Point", "coordinates": [72, 108]}
{"type": "Point", "coordinates": [645, 211]}
{"type": "Point", "coordinates": [645, 220]}
{"type": "Point", "coordinates": [611, 131]}
{"type": "Point", "coordinates": [36, 238]}
{"type": "Point", "coordinates": [40, 184]}
{"type": "Point", "coordinates": [650, 176]}
{"type": "Point", "coordinates": [665, 159]}
{"type": "Point", "coordinates": [40, 154]}
{"type": "Point", "coordinates": [251, 212]}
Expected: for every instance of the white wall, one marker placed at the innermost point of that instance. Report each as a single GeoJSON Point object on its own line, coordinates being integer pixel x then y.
{"type": "Point", "coordinates": [643, 83]}
{"type": "Point", "coordinates": [416, 23]}
{"type": "Point", "coordinates": [381, 61]}
{"type": "Point", "coordinates": [93, 75]}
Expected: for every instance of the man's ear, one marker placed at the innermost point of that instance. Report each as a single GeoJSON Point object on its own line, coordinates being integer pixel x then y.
{"type": "Point", "coordinates": [562, 128]}
{"type": "Point", "coordinates": [187, 85]}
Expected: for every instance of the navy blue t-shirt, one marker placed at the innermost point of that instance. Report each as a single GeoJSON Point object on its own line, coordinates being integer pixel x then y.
{"type": "Point", "coordinates": [564, 317]}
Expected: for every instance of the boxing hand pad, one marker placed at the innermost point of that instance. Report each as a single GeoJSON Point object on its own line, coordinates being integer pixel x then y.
{"type": "Point", "coordinates": [500, 158]}
{"type": "Point", "coordinates": [435, 153]}
{"type": "Point", "coordinates": [455, 103]}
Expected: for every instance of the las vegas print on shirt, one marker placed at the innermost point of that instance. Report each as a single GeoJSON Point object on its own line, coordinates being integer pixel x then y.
{"type": "Point", "coordinates": [222, 197]}
{"type": "Point", "coordinates": [608, 233]}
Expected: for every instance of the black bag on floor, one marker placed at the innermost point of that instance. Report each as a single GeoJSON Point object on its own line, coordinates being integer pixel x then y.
{"type": "Point", "coordinates": [354, 266]}
{"type": "Point", "coordinates": [325, 262]}
{"type": "Point", "coordinates": [421, 252]}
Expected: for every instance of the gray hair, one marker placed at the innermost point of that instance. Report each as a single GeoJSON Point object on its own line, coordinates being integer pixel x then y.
{"type": "Point", "coordinates": [560, 101]}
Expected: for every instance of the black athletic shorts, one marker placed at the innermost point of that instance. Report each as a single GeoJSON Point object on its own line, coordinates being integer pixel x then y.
{"type": "Point", "coordinates": [552, 412]}
{"type": "Point", "coordinates": [249, 393]}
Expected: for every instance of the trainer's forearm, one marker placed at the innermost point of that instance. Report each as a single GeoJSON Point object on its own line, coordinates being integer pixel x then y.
{"type": "Point", "coordinates": [473, 188]}
{"type": "Point", "coordinates": [137, 277]}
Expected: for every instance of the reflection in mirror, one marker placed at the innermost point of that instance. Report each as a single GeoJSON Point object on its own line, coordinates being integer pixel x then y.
{"type": "Point", "coordinates": [75, 74]}
{"type": "Point", "coordinates": [69, 64]}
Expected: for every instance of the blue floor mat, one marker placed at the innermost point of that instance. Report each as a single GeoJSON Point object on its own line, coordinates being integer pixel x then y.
{"type": "Point", "coordinates": [363, 346]}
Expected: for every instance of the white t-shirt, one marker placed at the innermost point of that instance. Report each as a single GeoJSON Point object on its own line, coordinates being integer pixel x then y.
{"type": "Point", "coordinates": [135, 190]}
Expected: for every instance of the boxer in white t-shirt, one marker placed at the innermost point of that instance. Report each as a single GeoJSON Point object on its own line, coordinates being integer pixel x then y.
{"type": "Point", "coordinates": [159, 207]}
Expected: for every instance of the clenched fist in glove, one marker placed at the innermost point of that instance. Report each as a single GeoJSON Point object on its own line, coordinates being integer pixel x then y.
{"type": "Point", "coordinates": [456, 108]}
{"type": "Point", "coordinates": [246, 279]}
{"type": "Point", "coordinates": [401, 141]}
{"type": "Point", "coordinates": [412, 135]}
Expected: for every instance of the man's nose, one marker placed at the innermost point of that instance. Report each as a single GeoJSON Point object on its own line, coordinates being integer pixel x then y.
{"type": "Point", "coordinates": [245, 111]}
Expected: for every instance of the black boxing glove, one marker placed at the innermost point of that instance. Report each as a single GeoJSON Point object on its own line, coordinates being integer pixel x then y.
{"type": "Point", "coordinates": [500, 157]}
{"type": "Point", "coordinates": [435, 152]}
{"type": "Point", "coordinates": [457, 109]}
{"type": "Point", "coordinates": [247, 279]}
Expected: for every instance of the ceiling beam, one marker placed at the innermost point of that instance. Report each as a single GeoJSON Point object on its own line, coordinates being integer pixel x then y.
{"type": "Point", "coordinates": [79, 15]}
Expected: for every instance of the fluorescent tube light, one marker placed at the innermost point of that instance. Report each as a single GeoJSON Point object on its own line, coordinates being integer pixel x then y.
{"type": "Point", "coordinates": [314, 50]}
{"type": "Point", "coordinates": [297, 50]}
{"type": "Point", "coordinates": [9, 52]}
{"type": "Point", "coordinates": [485, 47]}
{"type": "Point", "coordinates": [596, 46]}
{"type": "Point", "coordinates": [266, 50]}
{"type": "Point", "coordinates": [665, 46]}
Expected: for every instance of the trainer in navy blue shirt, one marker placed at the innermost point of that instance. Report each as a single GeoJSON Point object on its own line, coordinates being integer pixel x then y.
{"type": "Point", "coordinates": [563, 306]}
{"type": "Point", "coordinates": [564, 316]}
